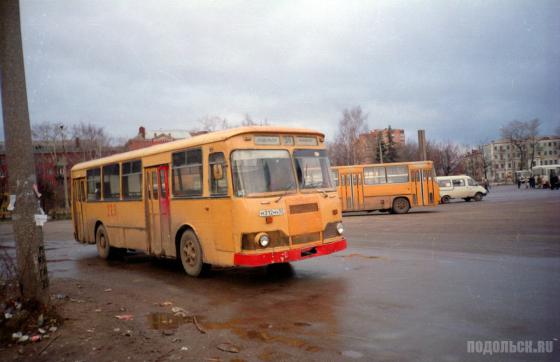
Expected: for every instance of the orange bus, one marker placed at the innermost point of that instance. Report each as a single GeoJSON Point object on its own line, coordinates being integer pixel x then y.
{"type": "Point", "coordinates": [394, 187]}
{"type": "Point", "coordinates": [242, 197]}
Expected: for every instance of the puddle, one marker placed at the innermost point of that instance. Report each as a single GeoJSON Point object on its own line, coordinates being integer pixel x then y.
{"type": "Point", "coordinates": [270, 333]}
{"type": "Point", "coordinates": [163, 321]}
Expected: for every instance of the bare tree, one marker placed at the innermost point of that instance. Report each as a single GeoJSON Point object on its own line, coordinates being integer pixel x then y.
{"type": "Point", "coordinates": [248, 121]}
{"type": "Point", "coordinates": [523, 137]}
{"type": "Point", "coordinates": [449, 157]}
{"type": "Point", "coordinates": [347, 148]}
{"type": "Point", "coordinates": [213, 123]}
{"type": "Point", "coordinates": [92, 140]}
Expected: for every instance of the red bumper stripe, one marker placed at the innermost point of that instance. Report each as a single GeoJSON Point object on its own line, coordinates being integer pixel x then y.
{"type": "Point", "coordinates": [288, 255]}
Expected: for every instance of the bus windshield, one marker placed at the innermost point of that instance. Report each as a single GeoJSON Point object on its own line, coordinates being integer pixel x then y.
{"type": "Point", "coordinates": [262, 171]}
{"type": "Point", "coordinates": [313, 169]}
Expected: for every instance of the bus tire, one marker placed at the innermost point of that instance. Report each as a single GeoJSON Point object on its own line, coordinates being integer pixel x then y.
{"type": "Point", "coordinates": [104, 248]}
{"type": "Point", "coordinates": [400, 206]}
{"type": "Point", "coordinates": [444, 199]}
{"type": "Point", "coordinates": [467, 199]}
{"type": "Point", "coordinates": [190, 255]}
{"type": "Point", "coordinates": [478, 197]}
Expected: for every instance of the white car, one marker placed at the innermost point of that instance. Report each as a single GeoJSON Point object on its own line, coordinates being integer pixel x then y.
{"type": "Point", "coordinates": [460, 187]}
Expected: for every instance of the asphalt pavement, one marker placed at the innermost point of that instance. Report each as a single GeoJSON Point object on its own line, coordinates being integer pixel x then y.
{"type": "Point", "coordinates": [418, 286]}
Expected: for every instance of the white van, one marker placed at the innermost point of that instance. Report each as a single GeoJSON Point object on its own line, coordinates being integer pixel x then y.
{"type": "Point", "coordinates": [459, 187]}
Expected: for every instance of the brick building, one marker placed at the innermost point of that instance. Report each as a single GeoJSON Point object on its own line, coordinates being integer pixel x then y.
{"type": "Point", "coordinates": [369, 141]}
{"type": "Point", "coordinates": [149, 138]}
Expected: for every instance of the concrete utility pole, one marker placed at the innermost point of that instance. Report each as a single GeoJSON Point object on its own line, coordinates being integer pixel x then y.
{"type": "Point", "coordinates": [422, 145]}
{"type": "Point", "coordinates": [30, 252]}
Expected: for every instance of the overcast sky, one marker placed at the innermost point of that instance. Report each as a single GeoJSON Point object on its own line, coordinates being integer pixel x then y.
{"type": "Point", "coordinates": [459, 69]}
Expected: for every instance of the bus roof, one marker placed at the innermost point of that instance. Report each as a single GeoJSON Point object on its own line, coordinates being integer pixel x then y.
{"type": "Point", "coordinates": [415, 163]}
{"type": "Point", "coordinates": [191, 142]}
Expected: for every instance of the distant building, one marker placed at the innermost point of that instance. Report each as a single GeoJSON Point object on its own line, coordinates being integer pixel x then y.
{"type": "Point", "coordinates": [369, 141]}
{"type": "Point", "coordinates": [504, 158]}
{"type": "Point", "coordinates": [474, 164]}
{"type": "Point", "coordinates": [50, 161]}
{"type": "Point", "coordinates": [149, 138]}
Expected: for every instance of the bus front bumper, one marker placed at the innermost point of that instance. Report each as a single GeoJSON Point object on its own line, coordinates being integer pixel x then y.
{"type": "Point", "coordinates": [287, 256]}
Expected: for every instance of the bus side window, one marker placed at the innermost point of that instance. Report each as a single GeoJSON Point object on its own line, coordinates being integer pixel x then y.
{"type": "Point", "coordinates": [111, 186]}
{"type": "Point", "coordinates": [187, 173]}
{"type": "Point", "coordinates": [93, 184]}
{"type": "Point", "coordinates": [374, 175]}
{"type": "Point", "coordinates": [218, 186]}
{"type": "Point", "coordinates": [132, 180]}
{"type": "Point", "coordinates": [335, 177]}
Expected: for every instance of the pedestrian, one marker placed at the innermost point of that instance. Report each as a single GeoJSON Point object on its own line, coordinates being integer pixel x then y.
{"type": "Point", "coordinates": [532, 181]}
{"type": "Point", "coordinates": [554, 181]}
{"type": "Point", "coordinates": [539, 182]}
{"type": "Point", "coordinates": [486, 185]}
{"type": "Point", "coordinates": [518, 183]}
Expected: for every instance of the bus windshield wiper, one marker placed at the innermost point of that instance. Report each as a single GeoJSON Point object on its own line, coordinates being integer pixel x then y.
{"type": "Point", "coordinates": [281, 196]}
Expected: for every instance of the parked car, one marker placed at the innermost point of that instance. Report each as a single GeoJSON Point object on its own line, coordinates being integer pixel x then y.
{"type": "Point", "coordinates": [460, 187]}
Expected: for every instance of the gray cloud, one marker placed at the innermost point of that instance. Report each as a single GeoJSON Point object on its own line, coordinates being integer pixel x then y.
{"type": "Point", "coordinates": [458, 69]}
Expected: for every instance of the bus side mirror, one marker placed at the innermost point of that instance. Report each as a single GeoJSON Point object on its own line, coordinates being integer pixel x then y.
{"type": "Point", "coordinates": [217, 172]}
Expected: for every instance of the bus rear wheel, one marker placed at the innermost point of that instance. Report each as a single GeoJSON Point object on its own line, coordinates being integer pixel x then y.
{"type": "Point", "coordinates": [104, 248]}
{"type": "Point", "coordinates": [444, 199]}
{"type": "Point", "coordinates": [401, 206]}
{"type": "Point", "coordinates": [190, 255]}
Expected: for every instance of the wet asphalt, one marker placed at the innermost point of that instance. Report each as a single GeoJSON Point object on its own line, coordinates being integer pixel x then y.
{"type": "Point", "coordinates": [409, 287]}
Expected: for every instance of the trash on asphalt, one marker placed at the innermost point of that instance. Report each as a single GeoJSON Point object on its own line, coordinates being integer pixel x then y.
{"type": "Point", "coordinates": [125, 317]}
{"type": "Point", "coordinates": [228, 347]}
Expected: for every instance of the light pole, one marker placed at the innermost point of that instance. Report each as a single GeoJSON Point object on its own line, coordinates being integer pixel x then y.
{"type": "Point", "coordinates": [30, 252]}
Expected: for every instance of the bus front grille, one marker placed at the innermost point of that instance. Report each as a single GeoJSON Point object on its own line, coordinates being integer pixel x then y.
{"type": "Point", "coordinates": [306, 238]}
{"type": "Point", "coordinates": [304, 208]}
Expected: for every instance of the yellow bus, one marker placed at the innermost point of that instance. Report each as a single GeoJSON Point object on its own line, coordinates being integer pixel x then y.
{"type": "Point", "coordinates": [249, 196]}
{"type": "Point", "coordinates": [394, 187]}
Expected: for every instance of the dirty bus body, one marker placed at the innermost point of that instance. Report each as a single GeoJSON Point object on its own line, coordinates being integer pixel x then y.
{"type": "Point", "coordinates": [394, 187]}
{"type": "Point", "coordinates": [243, 197]}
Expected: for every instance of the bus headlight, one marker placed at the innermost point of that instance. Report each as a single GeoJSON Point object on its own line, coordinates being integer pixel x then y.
{"type": "Point", "coordinates": [339, 228]}
{"type": "Point", "coordinates": [262, 239]}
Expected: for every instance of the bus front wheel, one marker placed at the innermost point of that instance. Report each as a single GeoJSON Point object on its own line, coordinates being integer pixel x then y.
{"type": "Point", "coordinates": [190, 254]}
{"type": "Point", "coordinates": [478, 197]}
{"type": "Point", "coordinates": [401, 206]}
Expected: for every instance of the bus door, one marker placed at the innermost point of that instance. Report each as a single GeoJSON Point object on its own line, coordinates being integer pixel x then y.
{"type": "Point", "coordinates": [78, 210]}
{"type": "Point", "coordinates": [352, 190]}
{"type": "Point", "coordinates": [157, 184]}
{"type": "Point", "coordinates": [424, 185]}
{"type": "Point", "coordinates": [429, 192]}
